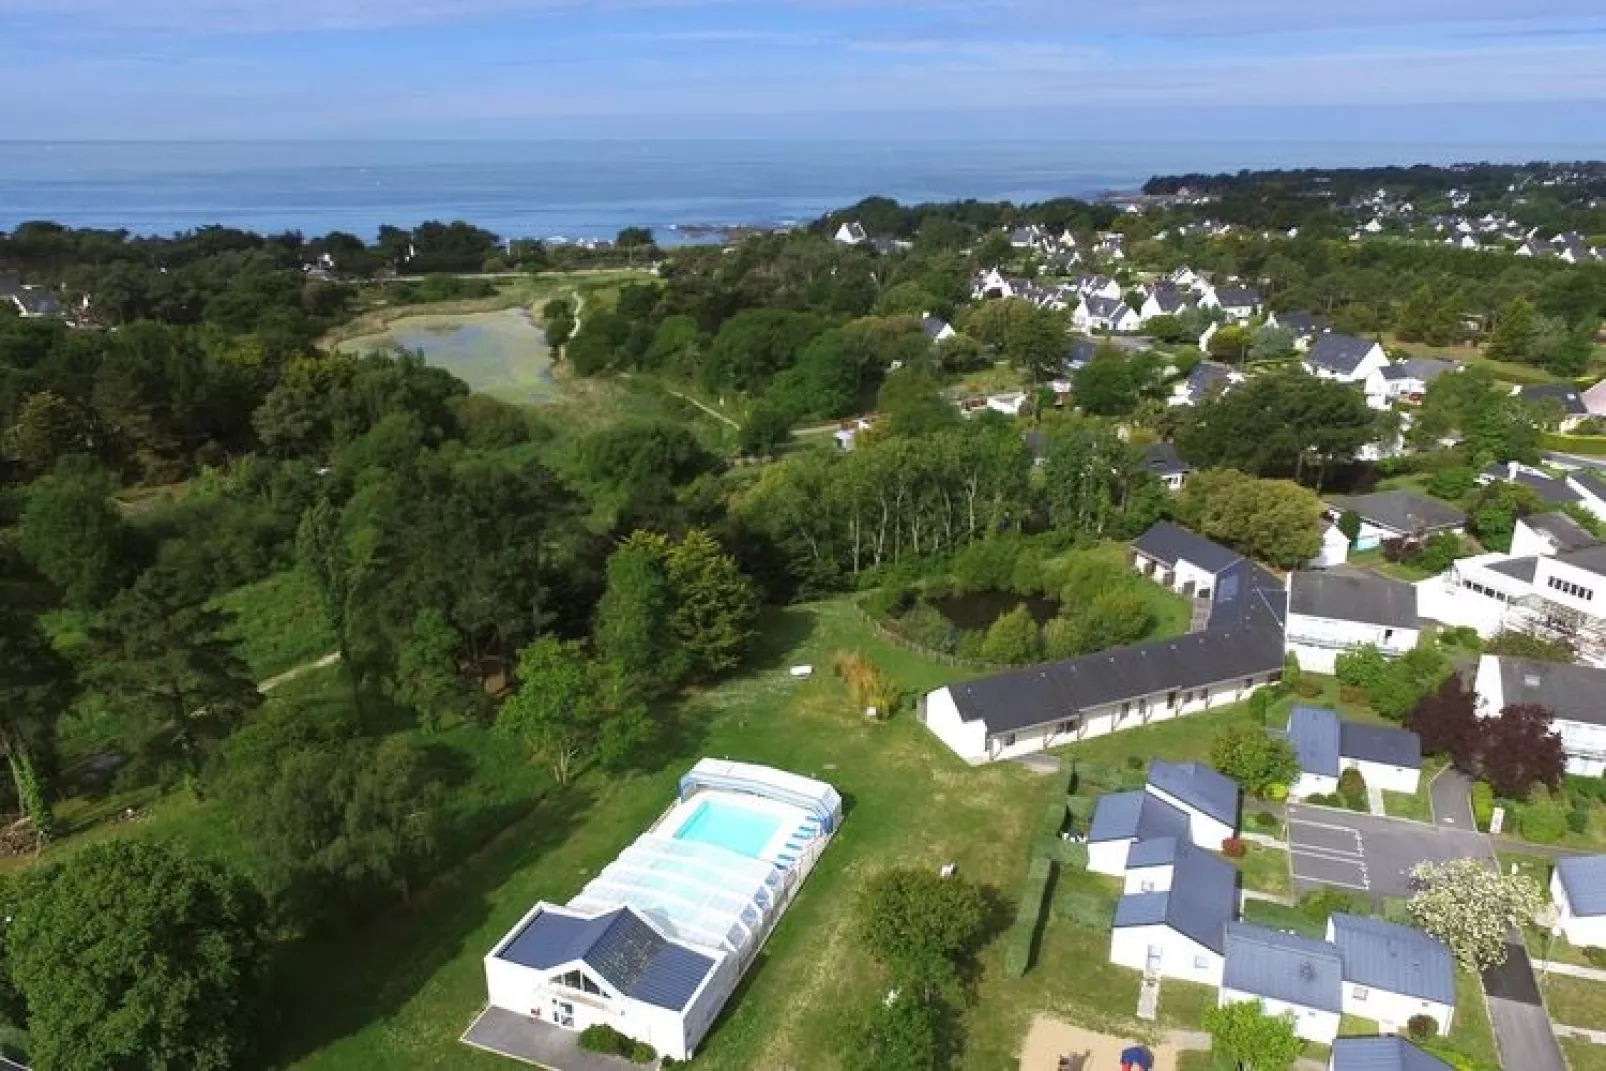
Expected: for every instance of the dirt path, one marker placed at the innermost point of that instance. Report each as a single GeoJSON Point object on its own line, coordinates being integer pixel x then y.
{"type": "Point", "coordinates": [715, 413]}
{"type": "Point", "coordinates": [298, 671]}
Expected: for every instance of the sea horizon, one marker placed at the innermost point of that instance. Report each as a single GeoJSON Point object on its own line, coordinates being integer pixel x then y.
{"type": "Point", "coordinates": [581, 188]}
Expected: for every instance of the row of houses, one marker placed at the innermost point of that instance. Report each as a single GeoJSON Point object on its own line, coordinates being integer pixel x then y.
{"type": "Point", "coordinates": [1177, 917]}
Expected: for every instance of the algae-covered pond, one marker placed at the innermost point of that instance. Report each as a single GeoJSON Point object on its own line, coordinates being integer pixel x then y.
{"type": "Point", "coordinates": [504, 353]}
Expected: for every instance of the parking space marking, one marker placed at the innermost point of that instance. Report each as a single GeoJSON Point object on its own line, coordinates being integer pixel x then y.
{"type": "Point", "coordinates": [1327, 854]}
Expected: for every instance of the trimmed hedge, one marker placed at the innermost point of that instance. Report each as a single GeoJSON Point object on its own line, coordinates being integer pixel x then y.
{"type": "Point", "coordinates": [1482, 804]}
{"type": "Point", "coordinates": [1585, 445]}
{"type": "Point", "coordinates": [1081, 808]}
{"type": "Point", "coordinates": [1022, 946]}
{"type": "Point", "coordinates": [1067, 853]}
{"type": "Point", "coordinates": [605, 1039]}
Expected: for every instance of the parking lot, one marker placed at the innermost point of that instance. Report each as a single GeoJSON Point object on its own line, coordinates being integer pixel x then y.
{"type": "Point", "coordinates": [1366, 853]}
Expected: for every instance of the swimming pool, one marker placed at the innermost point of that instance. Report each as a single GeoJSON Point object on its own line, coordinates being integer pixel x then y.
{"type": "Point", "coordinates": [743, 830]}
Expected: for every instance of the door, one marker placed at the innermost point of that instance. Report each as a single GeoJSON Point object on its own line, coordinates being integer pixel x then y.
{"type": "Point", "coordinates": [1152, 966]}
{"type": "Point", "coordinates": [563, 1014]}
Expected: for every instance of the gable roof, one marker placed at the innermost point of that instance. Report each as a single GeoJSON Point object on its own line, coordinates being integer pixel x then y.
{"type": "Point", "coordinates": [1199, 905]}
{"type": "Point", "coordinates": [1314, 734]}
{"type": "Point", "coordinates": [1569, 692]}
{"type": "Point", "coordinates": [1283, 966]}
{"type": "Point", "coordinates": [1571, 403]}
{"type": "Point", "coordinates": [1589, 559]}
{"type": "Point", "coordinates": [1198, 786]}
{"type": "Point", "coordinates": [1385, 1053]}
{"type": "Point", "coordinates": [1136, 814]}
{"type": "Point", "coordinates": [1237, 297]}
{"type": "Point", "coordinates": [36, 301]}
{"type": "Point", "coordinates": [933, 326]}
{"type": "Point", "coordinates": [1302, 323]}
{"type": "Point", "coordinates": [1339, 354]}
{"type": "Point", "coordinates": [1427, 369]}
{"type": "Point", "coordinates": [1160, 851]}
{"type": "Point", "coordinates": [1547, 489]}
{"type": "Point", "coordinates": [1401, 511]}
{"type": "Point", "coordinates": [1517, 568]}
{"type": "Point", "coordinates": [1162, 459]}
{"type": "Point", "coordinates": [1566, 533]}
{"type": "Point", "coordinates": [1591, 483]}
{"type": "Point", "coordinates": [1584, 878]}
{"type": "Point", "coordinates": [1399, 959]}
{"type": "Point", "coordinates": [1170, 543]}
{"type": "Point", "coordinates": [1342, 595]}
{"type": "Point", "coordinates": [1383, 744]}
{"type": "Point", "coordinates": [621, 946]}
{"type": "Point", "coordinates": [1104, 308]}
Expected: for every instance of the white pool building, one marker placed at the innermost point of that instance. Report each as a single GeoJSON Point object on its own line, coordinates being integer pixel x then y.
{"type": "Point", "coordinates": [656, 943]}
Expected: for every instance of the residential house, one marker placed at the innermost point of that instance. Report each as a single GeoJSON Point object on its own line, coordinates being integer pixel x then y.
{"type": "Point", "coordinates": [1385, 1053]}
{"type": "Point", "coordinates": [1177, 903]}
{"type": "Point", "coordinates": [1554, 396]}
{"type": "Point", "coordinates": [1335, 611]}
{"type": "Point", "coordinates": [1531, 248]}
{"type": "Point", "coordinates": [1547, 535]}
{"type": "Point", "coordinates": [1345, 358]}
{"type": "Point", "coordinates": [1572, 694]}
{"type": "Point", "coordinates": [936, 328]}
{"type": "Point", "coordinates": [1185, 278]}
{"type": "Point", "coordinates": [1393, 973]}
{"type": "Point", "coordinates": [35, 302]}
{"type": "Point", "coordinates": [851, 233]}
{"type": "Point", "coordinates": [1238, 304]}
{"type": "Point", "coordinates": [1578, 887]}
{"type": "Point", "coordinates": [1101, 286]}
{"type": "Point", "coordinates": [1105, 314]}
{"type": "Point", "coordinates": [1326, 746]}
{"type": "Point", "coordinates": [1030, 236]}
{"type": "Point", "coordinates": [1594, 398]}
{"type": "Point", "coordinates": [1209, 799]}
{"type": "Point", "coordinates": [1335, 547]}
{"type": "Point", "coordinates": [1111, 246]}
{"type": "Point", "coordinates": [1206, 335]}
{"type": "Point", "coordinates": [1286, 974]}
{"type": "Point", "coordinates": [1164, 301]}
{"type": "Point", "coordinates": [1547, 489]}
{"type": "Point", "coordinates": [1305, 327]}
{"type": "Point", "coordinates": [1162, 461]}
{"type": "Point", "coordinates": [1407, 380]}
{"type": "Point", "coordinates": [1037, 707]}
{"type": "Point", "coordinates": [1206, 380]}
{"type": "Point", "coordinates": [1185, 800]}
{"type": "Point", "coordinates": [1396, 515]}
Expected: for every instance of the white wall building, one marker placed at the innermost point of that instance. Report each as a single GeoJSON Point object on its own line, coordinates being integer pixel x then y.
{"type": "Point", "coordinates": [1396, 515]}
{"type": "Point", "coordinates": [1572, 694]}
{"type": "Point", "coordinates": [658, 940]}
{"type": "Point", "coordinates": [1578, 887]}
{"type": "Point", "coordinates": [1393, 972]}
{"type": "Point", "coordinates": [1335, 611]}
{"type": "Point", "coordinates": [1385, 757]}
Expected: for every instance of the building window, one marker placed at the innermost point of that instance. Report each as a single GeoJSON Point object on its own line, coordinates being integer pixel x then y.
{"type": "Point", "coordinates": [1361, 992]}
{"type": "Point", "coordinates": [1145, 886]}
{"type": "Point", "coordinates": [1567, 588]}
{"type": "Point", "coordinates": [1009, 739]}
{"type": "Point", "coordinates": [1201, 963]}
{"type": "Point", "coordinates": [563, 1014]}
{"type": "Point", "coordinates": [1067, 726]}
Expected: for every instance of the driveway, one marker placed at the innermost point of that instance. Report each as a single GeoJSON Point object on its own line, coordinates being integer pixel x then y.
{"type": "Point", "coordinates": [1367, 853]}
{"type": "Point", "coordinates": [1452, 800]}
{"type": "Point", "coordinates": [1517, 1012]}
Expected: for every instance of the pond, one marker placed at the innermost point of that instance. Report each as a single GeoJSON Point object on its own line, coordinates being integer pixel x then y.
{"type": "Point", "coordinates": [503, 354]}
{"type": "Point", "coordinates": [977, 611]}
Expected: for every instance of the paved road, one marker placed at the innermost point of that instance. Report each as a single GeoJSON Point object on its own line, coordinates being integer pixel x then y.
{"type": "Point", "coordinates": [1517, 1011]}
{"type": "Point", "coordinates": [1366, 852]}
{"type": "Point", "coordinates": [1451, 791]}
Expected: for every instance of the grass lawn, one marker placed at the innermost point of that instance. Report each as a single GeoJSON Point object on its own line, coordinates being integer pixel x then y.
{"type": "Point", "coordinates": [1353, 1026]}
{"type": "Point", "coordinates": [1575, 1001]}
{"type": "Point", "coordinates": [1374, 560]}
{"type": "Point", "coordinates": [1279, 917]}
{"type": "Point", "coordinates": [1472, 1036]}
{"type": "Point", "coordinates": [1582, 1055]}
{"type": "Point", "coordinates": [1418, 805]}
{"type": "Point", "coordinates": [1265, 870]}
{"type": "Point", "coordinates": [279, 623]}
{"type": "Point", "coordinates": [398, 993]}
{"type": "Point", "coordinates": [1471, 355]}
{"type": "Point", "coordinates": [1172, 612]}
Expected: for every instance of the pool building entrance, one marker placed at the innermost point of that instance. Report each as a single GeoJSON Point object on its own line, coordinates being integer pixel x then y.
{"type": "Point", "coordinates": [655, 944]}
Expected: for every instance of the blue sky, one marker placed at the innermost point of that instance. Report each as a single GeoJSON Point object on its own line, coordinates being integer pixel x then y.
{"type": "Point", "coordinates": [475, 68]}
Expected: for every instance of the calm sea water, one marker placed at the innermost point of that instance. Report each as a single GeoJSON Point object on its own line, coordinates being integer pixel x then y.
{"type": "Point", "coordinates": [580, 189]}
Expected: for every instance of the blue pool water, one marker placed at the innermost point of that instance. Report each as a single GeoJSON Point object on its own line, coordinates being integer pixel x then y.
{"type": "Point", "coordinates": [725, 825]}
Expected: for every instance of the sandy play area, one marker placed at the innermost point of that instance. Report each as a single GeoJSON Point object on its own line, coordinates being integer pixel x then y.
{"type": "Point", "coordinates": [1049, 1039]}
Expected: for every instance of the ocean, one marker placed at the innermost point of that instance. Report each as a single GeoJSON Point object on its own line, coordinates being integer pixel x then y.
{"type": "Point", "coordinates": [591, 189]}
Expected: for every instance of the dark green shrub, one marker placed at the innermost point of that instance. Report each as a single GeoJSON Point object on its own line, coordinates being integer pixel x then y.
{"type": "Point", "coordinates": [1543, 823]}
{"type": "Point", "coordinates": [1101, 776]}
{"type": "Point", "coordinates": [642, 1053]}
{"type": "Point", "coordinates": [1352, 790]}
{"type": "Point", "coordinates": [605, 1039]}
{"type": "Point", "coordinates": [1136, 762]}
{"type": "Point", "coordinates": [1087, 910]}
{"type": "Point", "coordinates": [1325, 799]}
{"type": "Point", "coordinates": [1069, 853]}
{"type": "Point", "coordinates": [1308, 688]}
{"type": "Point", "coordinates": [1265, 819]}
{"type": "Point", "coordinates": [970, 645]}
{"type": "Point", "coordinates": [1081, 809]}
{"type": "Point", "coordinates": [1317, 906]}
{"type": "Point", "coordinates": [1578, 819]}
{"type": "Point", "coordinates": [1421, 1027]}
{"type": "Point", "coordinates": [1482, 804]}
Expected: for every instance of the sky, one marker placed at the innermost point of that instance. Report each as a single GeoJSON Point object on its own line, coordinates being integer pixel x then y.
{"type": "Point", "coordinates": [384, 69]}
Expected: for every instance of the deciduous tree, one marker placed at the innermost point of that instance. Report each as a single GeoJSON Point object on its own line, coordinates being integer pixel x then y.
{"type": "Point", "coordinates": [1244, 1036]}
{"type": "Point", "coordinates": [1254, 758]}
{"type": "Point", "coordinates": [1520, 749]}
{"type": "Point", "coordinates": [72, 533]}
{"type": "Point", "coordinates": [922, 926]}
{"type": "Point", "coordinates": [1470, 906]}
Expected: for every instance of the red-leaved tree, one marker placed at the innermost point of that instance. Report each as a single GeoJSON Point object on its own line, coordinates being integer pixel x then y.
{"type": "Point", "coordinates": [1447, 721]}
{"type": "Point", "coordinates": [1520, 749]}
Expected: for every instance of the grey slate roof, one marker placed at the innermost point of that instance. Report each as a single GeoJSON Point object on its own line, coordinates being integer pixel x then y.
{"type": "Point", "coordinates": [1569, 692]}
{"type": "Point", "coordinates": [1283, 966]}
{"type": "Point", "coordinates": [1563, 531]}
{"type": "Point", "coordinates": [1170, 299]}
{"type": "Point", "coordinates": [1162, 459]}
{"type": "Point", "coordinates": [1104, 308]}
{"type": "Point", "coordinates": [1170, 543]}
{"type": "Point", "coordinates": [1589, 559]}
{"type": "Point", "coordinates": [1339, 354]}
{"type": "Point", "coordinates": [1197, 785]}
{"type": "Point", "coordinates": [1517, 568]}
{"type": "Point", "coordinates": [1399, 959]}
{"type": "Point", "coordinates": [1386, 1053]}
{"type": "Point", "coordinates": [1302, 324]}
{"type": "Point", "coordinates": [620, 946]}
{"type": "Point", "coordinates": [933, 326]}
{"type": "Point", "coordinates": [1353, 596]}
{"type": "Point", "coordinates": [1314, 734]}
{"type": "Point", "coordinates": [1238, 297]}
{"type": "Point", "coordinates": [1584, 878]}
{"type": "Point", "coordinates": [1208, 374]}
{"type": "Point", "coordinates": [1082, 351]}
{"type": "Point", "coordinates": [1591, 483]}
{"type": "Point", "coordinates": [1380, 743]}
{"type": "Point", "coordinates": [1244, 638]}
{"type": "Point", "coordinates": [1161, 851]}
{"type": "Point", "coordinates": [1571, 403]}
{"type": "Point", "coordinates": [1199, 905]}
{"type": "Point", "coordinates": [1548, 490]}
{"type": "Point", "coordinates": [1125, 815]}
{"type": "Point", "coordinates": [36, 301]}
{"type": "Point", "coordinates": [1401, 511]}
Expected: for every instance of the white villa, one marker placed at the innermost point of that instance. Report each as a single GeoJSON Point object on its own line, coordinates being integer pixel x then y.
{"type": "Point", "coordinates": [1334, 611]}
{"type": "Point", "coordinates": [1578, 887]}
{"type": "Point", "coordinates": [1572, 694]}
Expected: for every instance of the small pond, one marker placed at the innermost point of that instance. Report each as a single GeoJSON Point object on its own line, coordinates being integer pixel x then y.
{"type": "Point", "coordinates": [498, 353]}
{"type": "Point", "coordinates": [977, 611]}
